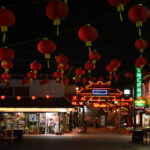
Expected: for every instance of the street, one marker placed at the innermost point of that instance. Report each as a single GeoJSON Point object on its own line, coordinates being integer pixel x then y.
{"type": "Point", "coordinates": [90, 141]}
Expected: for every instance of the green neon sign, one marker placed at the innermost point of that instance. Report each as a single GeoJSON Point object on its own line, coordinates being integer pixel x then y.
{"type": "Point", "coordinates": [138, 82]}
{"type": "Point", "coordinates": [139, 102]}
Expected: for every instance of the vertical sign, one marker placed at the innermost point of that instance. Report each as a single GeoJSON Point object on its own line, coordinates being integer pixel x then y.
{"type": "Point", "coordinates": [138, 82]}
{"type": "Point", "coordinates": [139, 102]}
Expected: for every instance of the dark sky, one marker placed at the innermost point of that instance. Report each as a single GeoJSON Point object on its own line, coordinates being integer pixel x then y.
{"type": "Point", "coordinates": [115, 40]}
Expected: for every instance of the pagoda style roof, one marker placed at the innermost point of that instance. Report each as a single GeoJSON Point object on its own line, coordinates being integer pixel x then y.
{"type": "Point", "coordinates": [99, 89]}
{"type": "Point", "coordinates": [98, 85]}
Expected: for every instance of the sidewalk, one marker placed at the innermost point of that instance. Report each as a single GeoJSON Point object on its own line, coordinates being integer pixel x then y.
{"type": "Point", "coordinates": [102, 130]}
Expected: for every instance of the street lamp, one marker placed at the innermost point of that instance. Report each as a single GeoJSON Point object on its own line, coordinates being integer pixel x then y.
{"type": "Point", "coordinates": [127, 92]}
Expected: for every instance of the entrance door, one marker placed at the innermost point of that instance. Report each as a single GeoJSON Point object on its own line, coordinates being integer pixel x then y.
{"type": "Point", "coordinates": [52, 123]}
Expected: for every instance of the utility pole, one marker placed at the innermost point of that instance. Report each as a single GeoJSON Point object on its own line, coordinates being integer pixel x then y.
{"type": "Point", "coordinates": [134, 113]}
{"type": "Point", "coordinates": [120, 115]}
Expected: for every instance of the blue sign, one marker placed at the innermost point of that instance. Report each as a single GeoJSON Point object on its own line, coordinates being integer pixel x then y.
{"type": "Point", "coordinates": [100, 92]}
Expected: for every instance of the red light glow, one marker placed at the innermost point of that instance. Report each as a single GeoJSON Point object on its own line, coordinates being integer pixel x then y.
{"type": "Point", "coordinates": [99, 100]}
{"type": "Point", "coordinates": [18, 98]}
{"type": "Point", "coordinates": [90, 99]}
{"type": "Point", "coordinates": [33, 97]}
{"type": "Point", "coordinates": [140, 97]}
{"type": "Point", "coordinates": [131, 99]}
{"type": "Point", "coordinates": [47, 96]}
{"type": "Point", "coordinates": [3, 97]}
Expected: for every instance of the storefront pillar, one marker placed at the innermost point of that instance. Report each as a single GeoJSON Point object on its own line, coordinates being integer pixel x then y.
{"type": "Point", "coordinates": [83, 114]}
{"type": "Point", "coordinates": [141, 118]}
{"type": "Point", "coordinates": [116, 118]}
{"type": "Point", "coordinates": [129, 122]}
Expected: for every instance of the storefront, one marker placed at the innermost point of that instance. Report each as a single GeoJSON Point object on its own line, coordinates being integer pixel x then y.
{"type": "Point", "coordinates": [35, 120]}
{"type": "Point", "coordinates": [146, 120]}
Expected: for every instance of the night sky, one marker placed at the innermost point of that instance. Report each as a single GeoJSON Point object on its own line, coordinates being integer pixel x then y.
{"type": "Point", "coordinates": [115, 39]}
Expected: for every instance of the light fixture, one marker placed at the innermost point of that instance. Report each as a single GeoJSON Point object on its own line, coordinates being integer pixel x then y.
{"type": "Point", "coordinates": [77, 88]}
{"type": "Point", "coordinates": [127, 92]}
{"type": "Point", "coordinates": [47, 96]}
{"type": "Point", "coordinates": [3, 97]}
{"type": "Point", "coordinates": [33, 97]}
{"type": "Point", "coordinates": [18, 98]}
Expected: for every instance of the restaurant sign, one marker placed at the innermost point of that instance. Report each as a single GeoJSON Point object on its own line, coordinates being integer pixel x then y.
{"type": "Point", "coordinates": [139, 102]}
{"type": "Point", "coordinates": [99, 92]}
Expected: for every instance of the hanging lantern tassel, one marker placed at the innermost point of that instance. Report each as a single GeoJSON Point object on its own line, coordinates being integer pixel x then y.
{"type": "Point", "coordinates": [79, 77]}
{"type": "Point", "coordinates": [89, 50]}
{"type": "Point", "coordinates": [94, 62]}
{"type": "Point", "coordinates": [6, 70]}
{"type": "Point", "coordinates": [120, 9]}
{"type": "Point", "coordinates": [31, 80]}
{"type": "Point", "coordinates": [141, 50]}
{"type": "Point", "coordinates": [139, 26]}
{"type": "Point", "coordinates": [35, 74]}
{"type": "Point", "coordinates": [121, 18]}
{"type": "Point", "coordinates": [47, 56]}
{"type": "Point", "coordinates": [65, 1]}
{"type": "Point", "coordinates": [89, 44]}
{"type": "Point", "coordinates": [4, 29]}
{"type": "Point", "coordinates": [57, 23]}
{"type": "Point", "coordinates": [62, 71]}
{"type": "Point", "coordinates": [89, 71]}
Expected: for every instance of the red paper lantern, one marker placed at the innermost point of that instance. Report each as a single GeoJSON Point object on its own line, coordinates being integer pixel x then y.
{"type": "Point", "coordinates": [140, 62]}
{"type": "Point", "coordinates": [66, 81]}
{"type": "Point", "coordinates": [84, 80]}
{"type": "Point", "coordinates": [144, 71]}
{"type": "Point", "coordinates": [141, 45]}
{"type": "Point", "coordinates": [31, 75]}
{"type": "Point", "coordinates": [110, 69]}
{"type": "Point", "coordinates": [61, 59]}
{"type": "Point", "coordinates": [5, 76]}
{"type": "Point", "coordinates": [35, 66]}
{"type": "Point", "coordinates": [2, 81]}
{"type": "Point", "coordinates": [79, 72]}
{"type": "Point", "coordinates": [119, 4]}
{"type": "Point", "coordinates": [57, 75]}
{"type": "Point", "coordinates": [18, 98]}
{"type": "Point", "coordinates": [7, 19]}
{"type": "Point", "coordinates": [139, 14]}
{"type": "Point", "coordinates": [33, 97]}
{"type": "Point", "coordinates": [88, 34]}
{"type": "Point", "coordinates": [47, 96]}
{"type": "Point", "coordinates": [6, 65]}
{"type": "Point", "coordinates": [110, 77]}
{"type": "Point", "coordinates": [100, 78]}
{"type": "Point", "coordinates": [46, 47]}
{"type": "Point", "coordinates": [89, 66]}
{"type": "Point", "coordinates": [116, 77]}
{"type": "Point", "coordinates": [129, 75]}
{"type": "Point", "coordinates": [75, 80]}
{"type": "Point", "coordinates": [63, 67]}
{"type": "Point", "coordinates": [3, 97]}
{"type": "Point", "coordinates": [25, 82]}
{"type": "Point", "coordinates": [44, 82]}
{"type": "Point", "coordinates": [94, 56]}
{"type": "Point", "coordinates": [115, 64]}
{"type": "Point", "coordinates": [93, 79]}
{"type": "Point", "coordinates": [56, 11]}
{"type": "Point", "coordinates": [6, 54]}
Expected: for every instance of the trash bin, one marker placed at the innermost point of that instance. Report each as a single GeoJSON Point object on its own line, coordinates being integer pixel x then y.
{"type": "Point", "coordinates": [137, 136]}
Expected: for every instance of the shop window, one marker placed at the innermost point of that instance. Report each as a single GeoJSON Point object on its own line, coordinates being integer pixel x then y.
{"type": "Point", "coordinates": [7, 91]}
{"type": "Point", "coordinates": [22, 91]}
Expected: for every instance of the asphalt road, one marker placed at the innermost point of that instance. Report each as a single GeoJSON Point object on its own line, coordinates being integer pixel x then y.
{"type": "Point", "coordinates": [91, 141]}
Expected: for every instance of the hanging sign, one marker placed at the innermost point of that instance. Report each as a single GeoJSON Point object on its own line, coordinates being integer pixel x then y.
{"type": "Point", "coordinates": [99, 92]}
{"type": "Point", "coordinates": [139, 102]}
